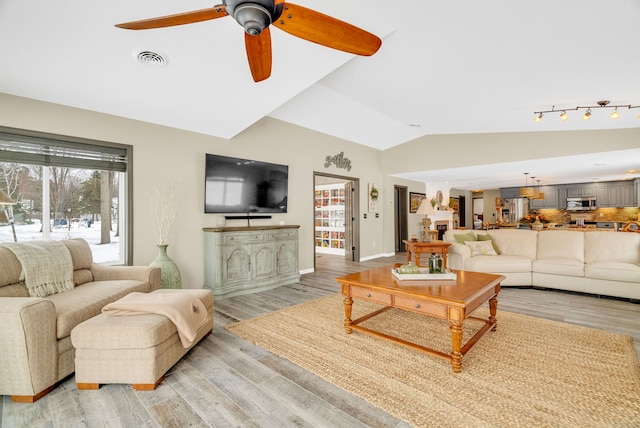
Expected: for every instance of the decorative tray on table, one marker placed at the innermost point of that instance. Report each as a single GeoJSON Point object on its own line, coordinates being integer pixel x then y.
{"type": "Point", "coordinates": [423, 275]}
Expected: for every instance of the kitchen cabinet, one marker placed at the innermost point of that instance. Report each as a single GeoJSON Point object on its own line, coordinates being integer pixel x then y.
{"type": "Point", "coordinates": [616, 195]}
{"type": "Point", "coordinates": [243, 260]}
{"type": "Point", "coordinates": [562, 198]}
{"type": "Point", "coordinates": [576, 191]}
{"type": "Point", "coordinates": [510, 193]}
{"type": "Point", "coordinates": [550, 198]}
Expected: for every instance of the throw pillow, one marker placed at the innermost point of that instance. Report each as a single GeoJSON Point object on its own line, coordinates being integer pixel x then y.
{"type": "Point", "coordinates": [488, 238]}
{"type": "Point", "coordinates": [479, 248]}
{"type": "Point", "coordinates": [463, 237]}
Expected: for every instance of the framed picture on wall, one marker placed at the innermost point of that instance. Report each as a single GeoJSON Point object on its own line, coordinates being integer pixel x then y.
{"type": "Point", "coordinates": [414, 201]}
{"type": "Point", "coordinates": [453, 203]}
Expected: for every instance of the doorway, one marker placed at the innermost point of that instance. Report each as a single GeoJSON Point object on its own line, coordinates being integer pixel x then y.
{"type": "Point", "coordinates": [400, 220]}
{"type": "Point", "coordinates": [336, 216]}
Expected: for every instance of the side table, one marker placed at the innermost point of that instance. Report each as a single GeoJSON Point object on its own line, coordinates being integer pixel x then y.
{"type": "Point", "coordinates": [418, 247]}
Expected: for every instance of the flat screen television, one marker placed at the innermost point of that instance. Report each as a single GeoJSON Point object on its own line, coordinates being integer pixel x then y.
{"type": "Point", "coordinates": [235, 185]}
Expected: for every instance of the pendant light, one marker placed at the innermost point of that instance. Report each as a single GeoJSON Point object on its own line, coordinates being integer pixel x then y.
{"type": "Point", "coordinates": [540, 195]}
{"type": "Point", "coordinates": [526, 191]}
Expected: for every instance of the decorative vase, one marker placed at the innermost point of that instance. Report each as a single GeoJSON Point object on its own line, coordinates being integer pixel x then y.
{"type": "Point", "coordinates": [169, 272]}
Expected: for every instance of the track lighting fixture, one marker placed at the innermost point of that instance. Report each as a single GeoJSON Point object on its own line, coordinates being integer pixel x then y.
{"type": "Point", "coordinates": [615, 114]}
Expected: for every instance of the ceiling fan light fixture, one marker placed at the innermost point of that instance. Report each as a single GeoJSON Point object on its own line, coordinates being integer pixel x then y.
{"type": "Point", "coordinates": [252, 17]}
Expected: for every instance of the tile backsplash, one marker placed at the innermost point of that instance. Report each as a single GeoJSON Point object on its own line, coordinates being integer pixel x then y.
{"type": "Point", "coordinates": [601, 214]}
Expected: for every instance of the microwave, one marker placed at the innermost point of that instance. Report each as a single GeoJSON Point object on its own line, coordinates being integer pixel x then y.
{"type": "Point", "coordinates": [584, 203]}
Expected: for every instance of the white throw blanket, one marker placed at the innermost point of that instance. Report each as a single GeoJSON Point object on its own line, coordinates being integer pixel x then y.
{"type": "Point", "coordinates": [47, 267]}
{"type": "Point", "coordinates": [187, 312]}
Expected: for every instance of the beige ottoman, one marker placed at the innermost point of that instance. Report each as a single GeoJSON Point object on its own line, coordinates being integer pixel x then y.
{"type": "Point", "coordinates": [134, 349]}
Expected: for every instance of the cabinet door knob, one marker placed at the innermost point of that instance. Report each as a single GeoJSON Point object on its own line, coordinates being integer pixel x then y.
{"type": "Point", "coordinates": [417, 305]}
{"type": "Point", "coordinates": [368, 294]}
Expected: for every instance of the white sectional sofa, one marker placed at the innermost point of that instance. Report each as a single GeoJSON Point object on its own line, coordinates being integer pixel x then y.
{"type": "Point", "coordinates": [597, 262]}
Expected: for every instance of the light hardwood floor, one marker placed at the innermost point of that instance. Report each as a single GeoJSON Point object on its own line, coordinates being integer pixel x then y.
{"type": "Point", "coordinates": [227, 382]}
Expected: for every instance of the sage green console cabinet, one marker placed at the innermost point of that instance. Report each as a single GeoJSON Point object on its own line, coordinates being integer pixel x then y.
{"type": "Point", "coordinates": [243, 260]}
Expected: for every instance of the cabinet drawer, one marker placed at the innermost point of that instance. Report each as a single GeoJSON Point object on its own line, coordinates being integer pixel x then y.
{"type": "Point", "coordinates": [420, 306]}
{"type": "Point", "coordinates": [242, 238]}
{"type": "Point", "coordinates": [282, 234]}
{"type": "Point", "coordinates": [371, 295]}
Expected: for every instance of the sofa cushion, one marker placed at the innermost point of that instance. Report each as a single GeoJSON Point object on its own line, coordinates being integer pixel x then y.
{"type": "Point", "coordinates": [81, 254]}
{"type": "Point", "coordinates": [613, 271]}
{"type": "Point", "coordinates": [481, 248]}
{"type": "Point", "coordinates": [559, 266]}
{"type": "Point", "coordinates": [81, 276]}
{"type": "Point", "coordinates": [463, 237]}
{"type": "Point", "coordinates": [87, 300]}
{"type": "Point", "coordinates": [488, 238]}
{"type": "Point", "coordinates": [502, 263]}
{"type": "Point", "coordinates": [621, 247]}
{"type": "Point", "coordinates": [516, 242]}
{"type": "Point", "coordinates": [561, 244]}
{"type": "Point", "coordinates": [11, 267]}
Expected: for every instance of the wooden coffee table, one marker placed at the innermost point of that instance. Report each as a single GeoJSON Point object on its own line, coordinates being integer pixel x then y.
{"type": "Point", "coordinates": [451, 300]}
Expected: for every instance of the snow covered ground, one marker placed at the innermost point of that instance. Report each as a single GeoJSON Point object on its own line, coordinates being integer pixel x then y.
{"type": "Point", "coordinates": [31, 232]}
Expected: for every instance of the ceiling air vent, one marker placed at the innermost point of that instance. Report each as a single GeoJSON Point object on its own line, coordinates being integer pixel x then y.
{"type": "Point", "coordinates": [151, 59]}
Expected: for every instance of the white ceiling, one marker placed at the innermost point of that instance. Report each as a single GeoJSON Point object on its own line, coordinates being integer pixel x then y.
{"type": "Point", "coordinates": [444, 67]}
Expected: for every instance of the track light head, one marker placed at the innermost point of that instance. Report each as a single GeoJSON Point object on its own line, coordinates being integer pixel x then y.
{"type": "Point", "coordinates": [564, 116]}
{"type": "Point", "coordinates": [614, 114]}
{"type": "Point", "coordinates": [587, 115]}
{"type": "Point", "coordinates": [538, 118]}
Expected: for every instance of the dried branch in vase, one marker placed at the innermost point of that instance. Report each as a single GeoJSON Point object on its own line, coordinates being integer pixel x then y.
{"type": "Point", "coordinates": [164, 207]}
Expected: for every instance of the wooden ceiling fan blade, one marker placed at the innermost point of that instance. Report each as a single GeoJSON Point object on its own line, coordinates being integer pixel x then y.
{"type": "Point", "coordinates": [259, 54]}
{"type": "Point", "coordinates": [177, 19]}
{"type": "Point", "coordinates": [327, 31]}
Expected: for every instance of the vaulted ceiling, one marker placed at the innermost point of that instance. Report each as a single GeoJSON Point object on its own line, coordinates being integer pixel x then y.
{"type": "Point", "coordinates": [444, 67]}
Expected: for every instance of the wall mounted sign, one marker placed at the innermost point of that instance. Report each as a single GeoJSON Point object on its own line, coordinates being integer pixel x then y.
{"type": "Point", "coordinates": [339, 161]}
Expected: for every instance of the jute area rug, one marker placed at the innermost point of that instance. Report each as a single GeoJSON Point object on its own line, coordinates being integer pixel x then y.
{"type": "Point", "coordinates": [529, 373]}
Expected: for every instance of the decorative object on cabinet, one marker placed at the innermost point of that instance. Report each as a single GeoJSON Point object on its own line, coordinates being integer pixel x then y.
{"type": "Point", "coordinates": [414, 201]}
{"type": "Point", "coordinates": [426, 209]}
{"type": "Point", "coordinates": [244, 260]}
{"type": "Point", "coordinates": [373, 197]}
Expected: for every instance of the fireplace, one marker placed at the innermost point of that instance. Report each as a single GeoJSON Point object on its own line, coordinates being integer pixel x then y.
{"type": "Point", "coordinates": [441, 226]}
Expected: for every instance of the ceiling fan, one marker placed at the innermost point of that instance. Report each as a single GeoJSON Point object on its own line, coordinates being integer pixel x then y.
{"type": "Point", "coordinates": [255, 16]}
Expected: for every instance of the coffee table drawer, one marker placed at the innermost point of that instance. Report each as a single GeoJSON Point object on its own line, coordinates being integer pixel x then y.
{"type": "Point", "coordinates": [371, 295]}
{"type": "Point", "coordinates": [427, 308]}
